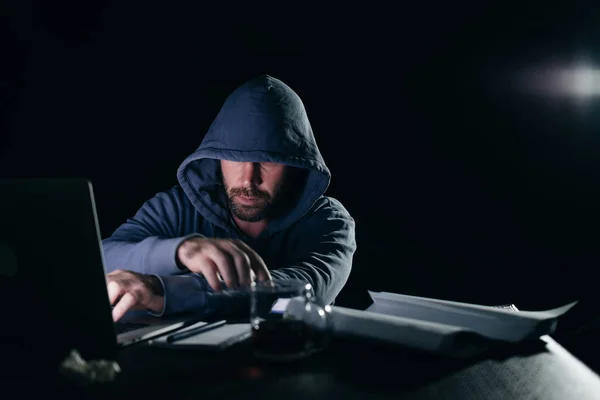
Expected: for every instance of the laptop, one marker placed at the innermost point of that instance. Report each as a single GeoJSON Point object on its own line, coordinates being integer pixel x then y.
{"type": "Point", "coordinates": [53, 292]}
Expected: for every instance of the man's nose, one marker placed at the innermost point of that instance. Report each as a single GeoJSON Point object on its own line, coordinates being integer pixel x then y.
{"type": "Point", "coordinates": [251, 174]}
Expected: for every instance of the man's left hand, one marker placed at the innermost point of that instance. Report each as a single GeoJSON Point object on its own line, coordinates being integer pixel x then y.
{"type": "Point", "coordinates": [128, 290]}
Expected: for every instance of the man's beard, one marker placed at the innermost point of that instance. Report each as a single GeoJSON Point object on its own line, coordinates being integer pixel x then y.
{"type": "Point", "coordinates": [267, 206]}
{"type": "Point", "coordinates": [260, 210]}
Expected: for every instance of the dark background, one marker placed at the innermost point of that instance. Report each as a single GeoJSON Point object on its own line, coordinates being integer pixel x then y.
{"type": "Point", "coordinates": [462, 186]}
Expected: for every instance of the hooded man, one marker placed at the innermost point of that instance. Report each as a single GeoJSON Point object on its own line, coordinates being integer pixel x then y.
{"type": "Point", "coordinates": [250, 197]}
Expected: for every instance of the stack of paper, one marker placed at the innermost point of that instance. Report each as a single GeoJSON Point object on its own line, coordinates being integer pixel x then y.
{"type": "Point", "coordinates": [440, 326]}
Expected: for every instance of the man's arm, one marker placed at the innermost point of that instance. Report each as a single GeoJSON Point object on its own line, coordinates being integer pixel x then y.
{"type": "Point", "coordinates": [191, 293]}
{"type": "Point", "coordinates": [183, 293]}
{"type": "Point", "coordinates": [130, 291]}
{"type": "Point", "coordinates": [148, 242]}
{"type": "Point", "coordinates": [323, 256]}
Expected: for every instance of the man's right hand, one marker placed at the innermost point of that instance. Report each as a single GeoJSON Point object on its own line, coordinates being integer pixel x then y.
{"type": "Point", "coordinates": [232, 260]}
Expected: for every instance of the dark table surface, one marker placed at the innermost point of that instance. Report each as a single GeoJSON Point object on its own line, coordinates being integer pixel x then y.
{"type": "Point", "coordinates": [350, 369]}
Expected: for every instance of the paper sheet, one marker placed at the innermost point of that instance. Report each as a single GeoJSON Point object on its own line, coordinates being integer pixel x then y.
{"type": "Point", "coordinates": [490, 322]}
{"type": "Point", "coordinates": [439, 326]}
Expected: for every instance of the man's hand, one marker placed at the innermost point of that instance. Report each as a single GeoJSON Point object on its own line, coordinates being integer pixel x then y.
{"type": "Point", "coordinates": [232, 260]}
{"type": "Point", "coordinates": [128, 290]}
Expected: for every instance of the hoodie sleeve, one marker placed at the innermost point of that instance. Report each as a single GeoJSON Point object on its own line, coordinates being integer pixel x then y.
{"type": "Point", "coordinates": [148, 242]}
{"type": "Point", "coordinates": [323, 255]}
{"type": "Point", "coordinates": [191, 293]}
{"type": "Point", "coordinates": [184, 293]}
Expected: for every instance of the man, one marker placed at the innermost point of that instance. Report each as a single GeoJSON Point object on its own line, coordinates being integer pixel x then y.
{"type": "Point", "coordinates": [250, 205]}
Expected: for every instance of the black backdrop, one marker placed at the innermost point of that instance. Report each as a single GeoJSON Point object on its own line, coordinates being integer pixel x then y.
{"type": "Point", "coordinates": [461, 186]}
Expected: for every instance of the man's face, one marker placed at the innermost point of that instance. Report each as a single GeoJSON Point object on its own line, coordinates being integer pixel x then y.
{"type": "Point", "coordinates": [252, 188]}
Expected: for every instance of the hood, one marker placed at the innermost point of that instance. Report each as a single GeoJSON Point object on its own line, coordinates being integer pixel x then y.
{"type": "Point", "coordinates": [263, 120]}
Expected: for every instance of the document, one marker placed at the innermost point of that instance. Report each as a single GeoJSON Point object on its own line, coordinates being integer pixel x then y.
{"type": "Point", "coordinates": [445, 327]}
{"type": "Point", "coordinates": [491, 322]}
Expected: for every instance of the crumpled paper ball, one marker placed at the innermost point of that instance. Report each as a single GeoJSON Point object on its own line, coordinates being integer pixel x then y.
{"type": "Point", "coordinates": [76, 370]}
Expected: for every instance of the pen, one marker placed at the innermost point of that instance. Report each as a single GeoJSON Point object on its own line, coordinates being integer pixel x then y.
{"type": "Point", "coordinates": [195, 331]}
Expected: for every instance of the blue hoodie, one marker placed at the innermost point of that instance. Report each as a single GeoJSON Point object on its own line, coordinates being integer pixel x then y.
{"type": "Point", "coordinates": [263, 120]}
